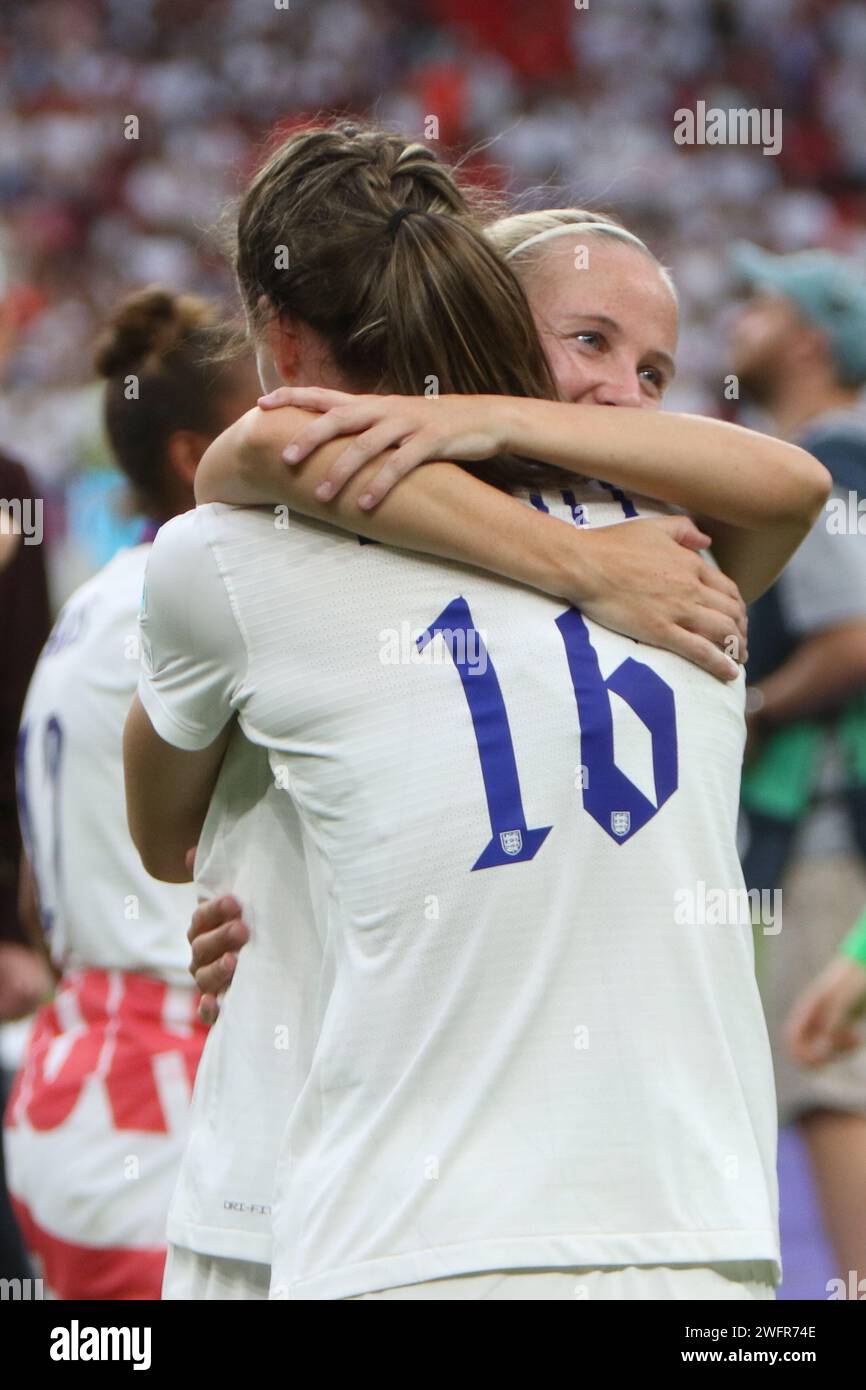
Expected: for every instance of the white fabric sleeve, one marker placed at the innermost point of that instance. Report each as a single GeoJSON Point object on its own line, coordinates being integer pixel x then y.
{"type": "Point", "coordinates": [193, 656]}
{"type": "Point", "coordinates": [824, 582]}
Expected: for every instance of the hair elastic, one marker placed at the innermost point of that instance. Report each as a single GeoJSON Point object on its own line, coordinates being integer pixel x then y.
{"type": "Point", "coordinates": [396, 218]}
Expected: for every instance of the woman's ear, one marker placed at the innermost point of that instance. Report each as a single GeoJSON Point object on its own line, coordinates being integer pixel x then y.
{"type": "Point", "coordinates": [184, 452]}
{"type": "Point", "coordinates": [283, 341]}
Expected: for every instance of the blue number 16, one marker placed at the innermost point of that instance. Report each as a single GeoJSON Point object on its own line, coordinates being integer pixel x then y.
{"type": "Point", "coordinates": [618, 806]}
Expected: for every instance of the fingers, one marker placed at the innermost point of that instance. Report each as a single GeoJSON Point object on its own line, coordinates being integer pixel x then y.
{"type": "Point", "coordinates": [208, 1009]}
{"type": "Point", "coordinates": [807, 1033]}
{"type": "Point", "coordinates": [401, 462]}
{"type": "Point", "coordinates": [814, 1048]}
{"type": "Point", "coordinates": [213, 914]}
{"type": "Point", "coordinates": [374, 441]}
{"type": "Point", "coordinates": [718, 592]}
{"type": "Point", "coordinates": [189, 859]}
{"type": "Point", "coordinates": [208, 946]}
{"type": "Point", "coordinates": [817, 1028]}
{"type": "Point", "coordinates": [723, 601]}
{"type": "Point", "coordinates": [818, 1050]}
{"type": "Point", "coordinates": [820, 1024]}
{"type": "Point", "coordinates": [701, 651]}
{"type": "Point", "coordinates": [718, 627]}
{"type": "Point", "coordinates": [343, 419]}
{"type": "Point", "coordinates": [733, 614]}
{"type": "Point", "coordinates": [721, 587]}
{"type": "Point", "coordinates": [214, 978]}
{"type": "Point", "coordinates": [817, 1032]}
{"type": "Point", "coordinates": [306, 397]}
{"type": "Point", "coordinates": [715, 578]}
{"type": "Point", "coordinates": [685, 532]}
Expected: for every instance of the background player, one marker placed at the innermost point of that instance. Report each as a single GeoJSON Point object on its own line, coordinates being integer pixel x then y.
{"type": "Point", "coordinates": [103, 1095]}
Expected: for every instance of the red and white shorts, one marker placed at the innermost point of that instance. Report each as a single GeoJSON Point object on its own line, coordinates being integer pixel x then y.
{"type": "Point", "coordinates": [95, 1129]}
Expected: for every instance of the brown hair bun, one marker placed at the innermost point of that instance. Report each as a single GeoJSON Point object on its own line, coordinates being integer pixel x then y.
{"type": "Point", "coordinates": [145, 327]}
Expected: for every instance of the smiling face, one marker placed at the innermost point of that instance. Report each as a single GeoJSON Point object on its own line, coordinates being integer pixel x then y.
{"type": "Point", "coordinates": [609, 329]}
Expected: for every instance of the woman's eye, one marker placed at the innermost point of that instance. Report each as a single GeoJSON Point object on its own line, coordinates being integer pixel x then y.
{"type": "Point", "coordinates": [591, 339]}
{"type": "Point", "coordinates": [654, 377]}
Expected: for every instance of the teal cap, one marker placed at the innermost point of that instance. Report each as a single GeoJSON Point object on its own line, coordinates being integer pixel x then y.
{"type": "Point", "coordinates": [828, 289]}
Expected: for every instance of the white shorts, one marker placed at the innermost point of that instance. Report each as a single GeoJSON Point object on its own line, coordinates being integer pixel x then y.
{"type": "Point", "coordinates": [194, 1277]}
{"type": "Point", "coordinates": [735, 1281]}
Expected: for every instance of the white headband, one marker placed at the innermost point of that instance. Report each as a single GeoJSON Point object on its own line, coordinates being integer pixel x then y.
{"type": "Point", "coordinates": [610, 228]}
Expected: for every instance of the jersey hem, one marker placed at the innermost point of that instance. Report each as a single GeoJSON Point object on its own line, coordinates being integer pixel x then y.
{"type": "Point", "coordinates": [553, 1252]}
{"type": "Point", "coordinates": [220, 1242]}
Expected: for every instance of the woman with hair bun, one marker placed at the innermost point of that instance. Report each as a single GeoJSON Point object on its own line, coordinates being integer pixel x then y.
{"type": "Point", "coordinates": [98, 1117]}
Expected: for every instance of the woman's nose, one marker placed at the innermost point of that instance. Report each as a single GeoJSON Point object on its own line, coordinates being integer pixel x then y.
{"type": "Point", "coordinates": [620, 390]}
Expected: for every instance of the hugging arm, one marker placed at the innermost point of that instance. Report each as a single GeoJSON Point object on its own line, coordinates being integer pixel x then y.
{"type": "Point", "coordinates": [643, 578]}
{"type": "Point", "coordinates": [758, 495]}
{"type": "Point", "coordinates": [177, 731]}
{"type": "Point", "coordinates": [168, 791]}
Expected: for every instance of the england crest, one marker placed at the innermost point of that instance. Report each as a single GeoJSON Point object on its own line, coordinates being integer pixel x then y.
{"type": "Point", "coordinates": [620, 822]}
{"type": "Point", "coordinates": [511, 841]}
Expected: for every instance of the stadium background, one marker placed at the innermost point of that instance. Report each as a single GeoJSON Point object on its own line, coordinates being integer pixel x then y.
{"type": "Point", "coordinates": [555, 104]}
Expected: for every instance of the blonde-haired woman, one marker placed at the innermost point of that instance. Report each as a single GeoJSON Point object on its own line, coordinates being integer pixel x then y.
{"type": "Point", "coordinates": [606, 314]}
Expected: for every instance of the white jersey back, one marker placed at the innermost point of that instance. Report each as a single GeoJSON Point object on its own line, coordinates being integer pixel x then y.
{"type": "Point", "coordinates": [99, 906]}
{"type": "Point", "coordinates": [530, 1049]}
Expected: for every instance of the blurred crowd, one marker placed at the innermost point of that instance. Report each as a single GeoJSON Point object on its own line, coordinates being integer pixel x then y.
{"type": "Point", "coordinates": [125, 129]}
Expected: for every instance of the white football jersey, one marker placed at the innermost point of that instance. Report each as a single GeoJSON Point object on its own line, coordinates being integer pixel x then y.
{"type": "Point", "coordinates": [99, 907]}
{"type": "Point", "coordinates": [258, 1052]}
{"type": "Point", "coordinates": [533, 1047]}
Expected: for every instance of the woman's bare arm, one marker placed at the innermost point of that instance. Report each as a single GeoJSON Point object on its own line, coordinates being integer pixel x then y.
{"type": "Point", "coordinates": [168, 791]}
{"type": "Point", "coordinates": [761, 494]}
{"type": "Point", "coordinates": [644, 579]}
